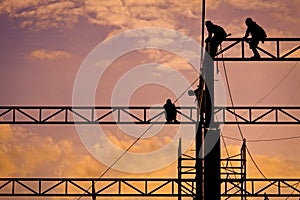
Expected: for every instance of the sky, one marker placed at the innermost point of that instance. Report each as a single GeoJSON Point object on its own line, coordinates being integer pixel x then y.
{"type": "Point", "coordinates": [44, 44]}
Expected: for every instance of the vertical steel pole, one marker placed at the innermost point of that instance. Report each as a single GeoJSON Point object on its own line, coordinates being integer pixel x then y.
{"type": "Point", "coordinates": [207, 169]}
{"type": "Point", "coordinates": [179, 169]}
{"type": "Point", "coordinates": [199, 179]}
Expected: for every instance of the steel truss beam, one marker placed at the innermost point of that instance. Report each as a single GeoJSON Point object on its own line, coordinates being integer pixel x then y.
{"type": "Point", "coordinates": [258, 115]}
{"type": "Point", "coordinates": [92, 115]}
{"type": "Point", "coordinates": [141, 115]}
{"type": "Point", "coordinates": [141, 187]}
{"type": "Point", "coordinates": [110, 187]}
{"type": "Point", "coordinates": [258, 187]}
{"type": "Point", "coordinates": [279, 49]}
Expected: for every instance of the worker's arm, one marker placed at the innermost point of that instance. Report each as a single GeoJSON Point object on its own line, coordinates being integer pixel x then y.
{"type": "Point", "coordinates": [247, 33]}
{"type": "Point", "coordinates": [208, 37]}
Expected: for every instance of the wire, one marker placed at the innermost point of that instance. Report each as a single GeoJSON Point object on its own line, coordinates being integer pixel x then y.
{"type": "Point", "coordinates": [227, 152]}
{"type": "Point", "coordinates": [294, 189]}
{"type": "Point", "coordinates": [252, 159]}
{"type": "Point", "coordinates": [239, 128]}
{"type": "Point", "coordinates": [267, 94]}
{"type": "Point", "coordinates": [278, 84]}
{"type": "Point", "coordinates": [130, 146]}
{"type": "Point", "coordinates": [231, 98]}
{"type": "Point", "coordinates": [265, 140]}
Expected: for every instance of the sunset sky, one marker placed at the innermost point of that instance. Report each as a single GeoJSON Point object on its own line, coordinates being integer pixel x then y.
{"type": "Point", "coordinates": [44, 43]}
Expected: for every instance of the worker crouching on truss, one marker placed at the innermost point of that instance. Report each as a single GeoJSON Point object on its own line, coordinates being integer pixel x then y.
{"type": "Point", "coordinates": [216, 35]}
{"type": "Point", "coordinates": [170, 111]}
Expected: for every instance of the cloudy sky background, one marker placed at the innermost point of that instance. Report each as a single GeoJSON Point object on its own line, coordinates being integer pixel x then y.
{"type": "Point", "coordinates": [44, 42]}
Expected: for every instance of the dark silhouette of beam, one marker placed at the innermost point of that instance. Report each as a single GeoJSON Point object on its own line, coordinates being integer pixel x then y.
{"type": "Point", "coordinates": [278, 53]}
{"type": "Point", "coordinates": [139, 187]}
{"type": "Point", "coordinates": [140, 115]}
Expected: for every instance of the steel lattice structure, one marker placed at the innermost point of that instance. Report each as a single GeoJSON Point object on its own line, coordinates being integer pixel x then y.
{"type": "Point", "coordinates": [184, 185]}
{"type": "Point", "coordinates": [91, 115]}
{"type": "Point", "coordinates": [279, 49]}
{"type": "Point", "coordinates": [140, 187]}
{"type": "Point", "coordinates": [141, 115]}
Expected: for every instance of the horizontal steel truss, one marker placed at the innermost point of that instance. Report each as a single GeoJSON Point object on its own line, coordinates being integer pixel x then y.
{"type": "Point", "coordinates": [277, 54]}
{"type": "Point", "coordinates": [92, 115]}
{"type": "Point", "coordinates": [140, 187]}
{"type": "Point", "coordinates": [111, 187]}
{"type": "Point", "coordinates": [142, 115]}
{"type": "Point", "coordinates": [258, 187]}
{"type": "Point", "coordinates": [258, 115]}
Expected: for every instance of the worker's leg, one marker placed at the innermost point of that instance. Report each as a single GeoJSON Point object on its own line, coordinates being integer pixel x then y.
{"type": "Point", "coordinates": [253, 45]}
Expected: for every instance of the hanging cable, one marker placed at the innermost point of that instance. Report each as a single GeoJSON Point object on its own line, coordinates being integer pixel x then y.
{"type": "Point", "coordinates": [239, 128]}
{"type": "Point", "coordinates": [257, 167]}
{"type": "Point", "coordinates": [130, 146]}
{"type": "Point", "coordinates": [227, 152]}
{"type": "Point", "coordinates": [252, 159]}
{"type": "Point", "coordinates": [293, 190]}
{"type": "Point", "coordinates": [232, 103]}
{"type": "Point", "coordinates": [265, 140]}
{"type": "Point", "coordinates": [278, 84]}
{"type": "Point", "coordinates": [231, 98]}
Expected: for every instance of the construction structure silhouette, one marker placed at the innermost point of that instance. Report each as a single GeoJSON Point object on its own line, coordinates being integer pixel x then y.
{"type": "Point", "coordinates": [199, 178]}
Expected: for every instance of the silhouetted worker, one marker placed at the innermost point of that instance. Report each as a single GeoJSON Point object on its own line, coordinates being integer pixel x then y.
{"type": "Point", "coordinates": [170, 111]}
{"type": "Point", "coordinates": [216, 35]}
{"type": "Point", "coordinates": [257, 33]}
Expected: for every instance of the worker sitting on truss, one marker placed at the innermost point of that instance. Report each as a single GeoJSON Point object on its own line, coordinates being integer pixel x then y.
{"type": "Point", "coordinates": [216, 35]}
{"type": "Point", "coordinates": [257, 33]}
{"type": "Point", "coordinates": [170, 111]}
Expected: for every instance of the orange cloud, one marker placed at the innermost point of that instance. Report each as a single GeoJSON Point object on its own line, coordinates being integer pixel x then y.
{"type": "Point", "coordinates": [43, 54]}
{"type": "Point", "coordinates": [271, 166]}
{"type": "Point", "coordinates": [257, 5]}
{"type": "Point", "coordinates": [26, 154]}
{"type": "Point", "coordinates": [39, 15]}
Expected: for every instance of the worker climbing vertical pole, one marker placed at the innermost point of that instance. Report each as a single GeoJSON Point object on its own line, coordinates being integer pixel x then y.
{"type": "Point", "coordinates": [208, 150]}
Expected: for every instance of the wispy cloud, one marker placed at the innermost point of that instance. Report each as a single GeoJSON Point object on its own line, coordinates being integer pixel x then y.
{"type": "Point", "coordinates": [43, 54]}
{"type": "Point", "coordinates": [38, 15]}
{"type": "Point", "coordinates": [257, 4]}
